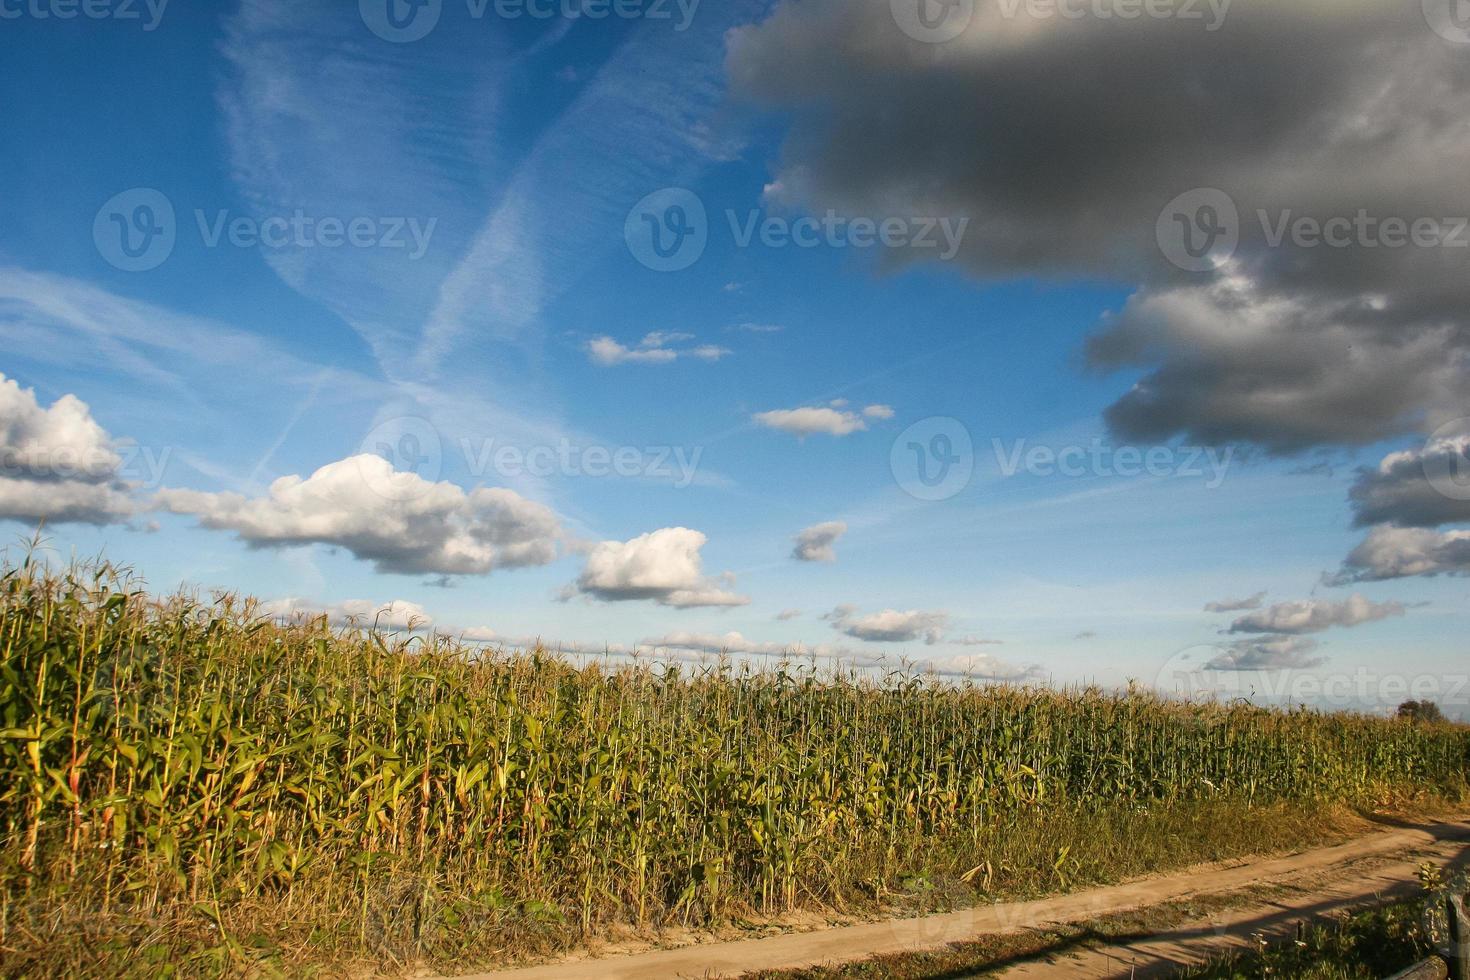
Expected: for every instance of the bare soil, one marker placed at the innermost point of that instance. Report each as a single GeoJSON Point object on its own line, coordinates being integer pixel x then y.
{"type": "Point", "coordinates": [1374, 867]}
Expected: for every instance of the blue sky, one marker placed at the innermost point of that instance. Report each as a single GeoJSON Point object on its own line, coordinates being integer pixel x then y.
{"type": "Point", "coordinates": [498, 171]}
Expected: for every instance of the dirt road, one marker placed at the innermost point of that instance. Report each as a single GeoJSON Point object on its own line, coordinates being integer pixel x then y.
{"type": "Point", "coordinates": [1302, 896]}
{"type": "Point", "coordinates": [1315, 881]}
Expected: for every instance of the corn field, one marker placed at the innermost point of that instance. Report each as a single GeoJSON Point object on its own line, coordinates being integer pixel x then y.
{"type": "Point", "coordinates": [185, 765]}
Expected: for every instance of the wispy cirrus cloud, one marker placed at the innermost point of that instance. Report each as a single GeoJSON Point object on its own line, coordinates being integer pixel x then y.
{"type": "Point", "coordinates": [641, 122]}
{"type": "Point", "coordinates": [1236, 605]}
{"type": "Point", "coordinates": [302, 133]}
{"type": "Point", "coordinates": [974, 641]}
{"type": "Point", "coordinates": [60, 321]}
{"type": "Point", "coordinates": [655, 348]}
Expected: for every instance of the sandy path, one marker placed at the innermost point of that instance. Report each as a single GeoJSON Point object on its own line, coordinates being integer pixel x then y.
{"type": "Point", "coordinates": [849, 943]}
{"type": "Point", "coordinates": [1310, 894]}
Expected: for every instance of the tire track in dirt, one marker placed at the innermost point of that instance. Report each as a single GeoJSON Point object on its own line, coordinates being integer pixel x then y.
{"type": "Point", "coordinates": [857, 942]}
{"type": "Point", "coordinates": [1333, 890]}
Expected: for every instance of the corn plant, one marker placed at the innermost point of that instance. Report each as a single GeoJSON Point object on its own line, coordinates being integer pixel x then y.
{"type": "Point", "coordinates": [176, 769]}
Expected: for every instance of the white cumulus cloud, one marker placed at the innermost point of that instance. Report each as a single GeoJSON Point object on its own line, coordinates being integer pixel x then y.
{"type": "Point", "coordinates": [982, 667]}
{"type": "Point", "coordinates": [662, 566]}
{"type": "Point", "coordinates": [819, 421]}
{"type": "Point", "coordinates": [609, 353]}
{"type": "Point", "coordinates": [711, 643]}
{"type": "Point", "coordinates": [397, 614]}
{"type": "Point", "coordinates": [397, 520]}
{"type": "Point", "coordinates": [890, 625]}
{"type": "Point", "coordinates": [56, 463]}
{"type": "Point", "coordinates": [1316, 615]}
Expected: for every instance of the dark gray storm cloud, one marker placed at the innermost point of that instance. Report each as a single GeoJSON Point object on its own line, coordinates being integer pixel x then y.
{"type": "Point", "coordinates": [1267, 653]}
{"type": "Point", "coordinates": [1065, 140]}
{"type": "Point", "coordinates": [1406, 499]}
{"type": "Point", "coordinates": [1424, 488]}
{"type": "Point", "coordinates": [1405, 552]}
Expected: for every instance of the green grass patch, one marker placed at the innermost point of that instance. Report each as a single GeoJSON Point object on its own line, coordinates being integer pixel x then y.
{"type": "Point", "coordinates": [1368, 946]}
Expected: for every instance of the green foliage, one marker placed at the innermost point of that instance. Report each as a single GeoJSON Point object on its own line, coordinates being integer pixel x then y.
{"type": "Point", "coordinates": [1366, 946]}
{"type": "Point", "coordinates": [1425, 711]}
{"type": "Point", "coordinates": [170, 767]}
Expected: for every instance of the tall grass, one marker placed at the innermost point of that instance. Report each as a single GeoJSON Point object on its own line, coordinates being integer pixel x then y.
{"type": "Point", "coordinates": [172, 769]}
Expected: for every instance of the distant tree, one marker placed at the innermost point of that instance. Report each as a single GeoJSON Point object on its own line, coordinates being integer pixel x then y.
{"type": "Point", "coordinates": [1421, 711]}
